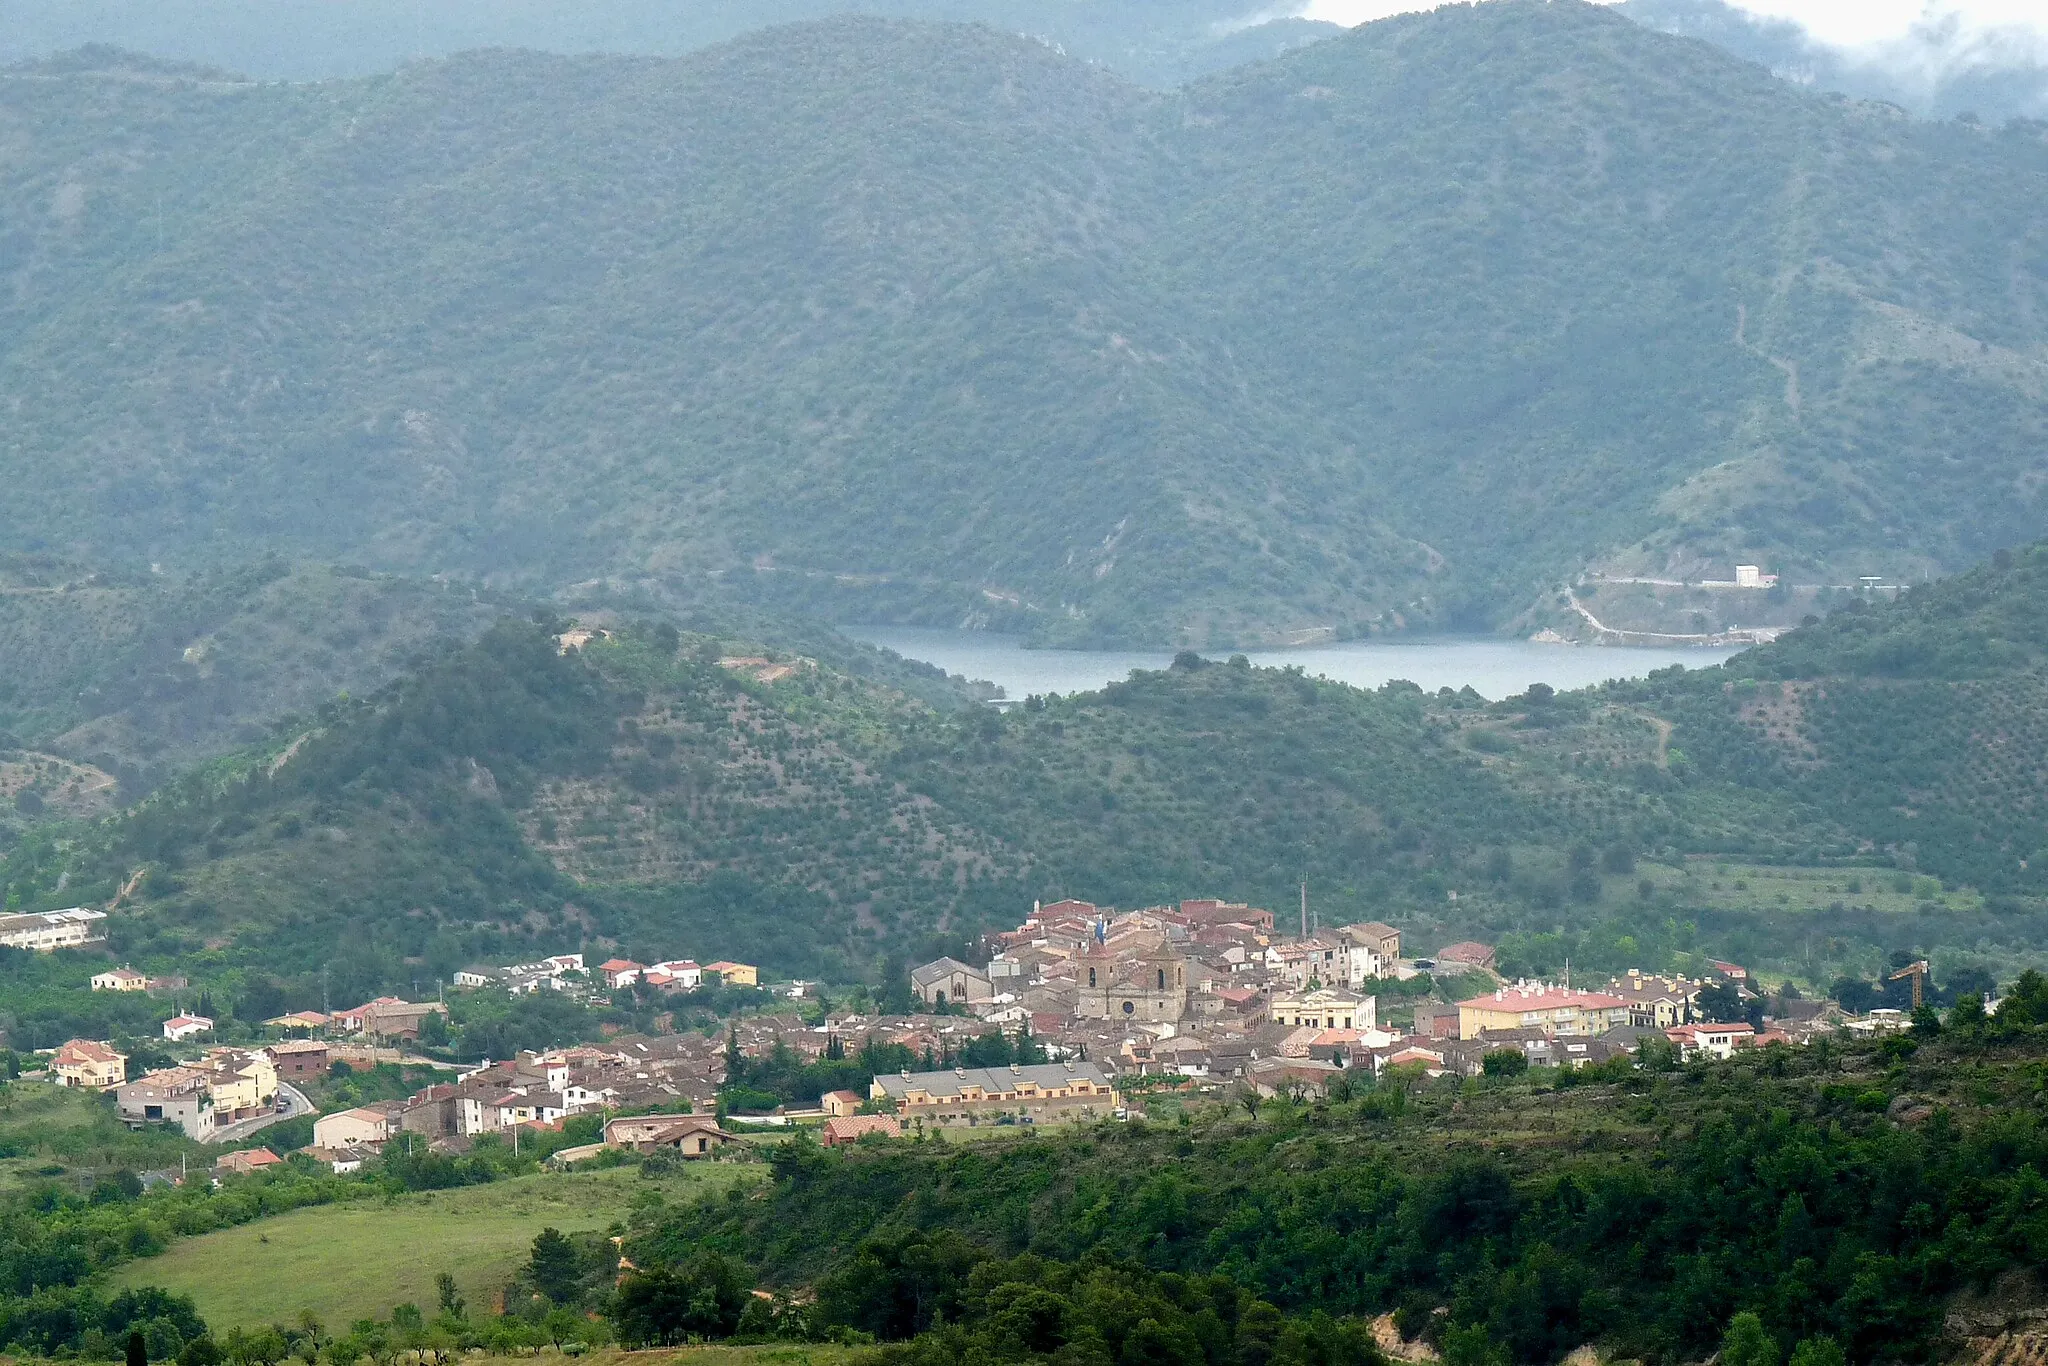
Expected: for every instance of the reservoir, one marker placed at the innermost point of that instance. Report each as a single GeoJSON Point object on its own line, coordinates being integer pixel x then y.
{"type": "Point", "coordinates": [1494, 668]}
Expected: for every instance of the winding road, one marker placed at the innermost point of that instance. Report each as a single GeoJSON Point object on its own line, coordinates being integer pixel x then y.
{"type": "Point", "coordinates": [297, 1105]}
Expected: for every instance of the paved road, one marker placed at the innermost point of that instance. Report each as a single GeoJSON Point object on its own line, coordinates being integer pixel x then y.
{"type": "Point", "coordinates": [297, 1103]}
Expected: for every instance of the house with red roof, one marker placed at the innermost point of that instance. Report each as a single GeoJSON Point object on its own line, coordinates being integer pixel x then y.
{"type": "Point", "coordinates": [841, 1130]}
{"type": "Point", "coordinates": [1536, 1005]}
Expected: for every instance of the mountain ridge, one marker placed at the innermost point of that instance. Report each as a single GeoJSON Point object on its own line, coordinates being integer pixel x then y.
{"type": "Point", "coordinates": [1321, 347]}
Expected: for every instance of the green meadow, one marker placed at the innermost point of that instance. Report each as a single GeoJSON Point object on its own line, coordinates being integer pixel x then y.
{"type": "Point", "coordinates": [345, 1262]}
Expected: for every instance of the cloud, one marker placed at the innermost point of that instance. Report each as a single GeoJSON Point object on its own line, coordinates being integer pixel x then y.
{"type": "Point", "coordinates": [1937, 57]}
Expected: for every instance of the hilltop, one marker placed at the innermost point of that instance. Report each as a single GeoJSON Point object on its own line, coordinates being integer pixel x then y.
{"type": "Point", "coordinates": [1399, 329]}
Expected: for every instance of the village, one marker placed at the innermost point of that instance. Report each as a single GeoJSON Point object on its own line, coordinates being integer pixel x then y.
{"type": "Point", "coordinates": [1087, 1005]}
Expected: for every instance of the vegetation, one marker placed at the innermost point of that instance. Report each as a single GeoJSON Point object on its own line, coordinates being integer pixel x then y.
{"type": "Point", "coordinates": [141, 675]}
{"type": "Point", "coordinates": [341, 1263]}
{"type": "Point", "coordinates": [1021, 344]}
{"type": "Point", "coordinates": [1856, 796]}
{"type": "Point", "coordinates": [1828, 1201]}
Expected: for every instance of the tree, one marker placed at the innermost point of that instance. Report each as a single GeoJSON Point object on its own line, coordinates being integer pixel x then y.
{"type": "Point", "coordinates": [450, 1298]}
{"type": "Point", "coordinates": [1472, 1346]}
{"type": "Point", "coordinates": [1747, 1344]}
{"type": "Point", "coordinates": [554, 1266]}
{"type": "Point", "coordinates": [204, 1351]}
{"type": "Point", "coordinates": [1721, 1003]}
{"type": "Point", "coordinates": [704, 1297]}
{"type": "Point", "coordinates": [434, 1030]}
{"type": "Point", "coordinates": [1505, 1062]}
{"type": "Point", "coordinates": [1821, 1351]}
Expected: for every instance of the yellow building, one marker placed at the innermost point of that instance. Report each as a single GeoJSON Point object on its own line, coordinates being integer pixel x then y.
{"type": "Point", "coordinates": [241, 1083]}
{"type": "Point", "coordinates": [89, 1065]}
{"type": "Point", "coordinates": [1550, 1009]}
{"type": "Point", "coordinates": [736, 974]}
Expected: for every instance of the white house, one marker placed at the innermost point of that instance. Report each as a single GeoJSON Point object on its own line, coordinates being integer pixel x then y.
{"type": "Point", "coordinates": [187, 1026]}
{"type": "Point", "coordinates": [44, 931]}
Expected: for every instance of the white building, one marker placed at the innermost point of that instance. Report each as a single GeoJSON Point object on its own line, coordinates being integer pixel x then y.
{"type": "Point", "coordinates": [47, 930]}
{"type": "Point", "coordinates": [186, 1026]}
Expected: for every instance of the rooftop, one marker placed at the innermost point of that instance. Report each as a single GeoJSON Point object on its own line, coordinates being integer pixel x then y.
{"type": "Point", "coordinates": [1542, 998]}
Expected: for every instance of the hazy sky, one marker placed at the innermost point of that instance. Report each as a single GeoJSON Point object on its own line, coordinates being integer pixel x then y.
{"type": "Point", "coordinates": [1842, 23]}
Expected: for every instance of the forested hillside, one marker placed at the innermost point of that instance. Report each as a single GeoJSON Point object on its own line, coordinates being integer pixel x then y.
{"type": "Point", "coordinates": [920, 323]}
{"type": "Point", "coordinates": [663, 791]}
{"type": "Point", "coordinates": [144, 675]}
{"type": "Point", "coordinates": [1840, 1203]}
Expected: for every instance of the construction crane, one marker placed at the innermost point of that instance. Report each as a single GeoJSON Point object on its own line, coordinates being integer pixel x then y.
{"type": "Point", "coordinates": [1918, 972]}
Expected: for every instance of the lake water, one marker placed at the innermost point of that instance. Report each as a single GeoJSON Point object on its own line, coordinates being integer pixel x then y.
{"type": "Point", "coordinates": [1494, 668]}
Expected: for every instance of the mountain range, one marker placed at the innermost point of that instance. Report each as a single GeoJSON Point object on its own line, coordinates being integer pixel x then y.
{"type": "Point", "coordinates": [1937, 69]}
{"type": "Point", "coordinates": [911, 322]}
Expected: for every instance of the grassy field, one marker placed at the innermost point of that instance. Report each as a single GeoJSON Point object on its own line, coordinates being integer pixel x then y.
{"type": "Point", "coordinates": [345, 1262]}
{"type": "Point", "coordinates": [1746, 886]}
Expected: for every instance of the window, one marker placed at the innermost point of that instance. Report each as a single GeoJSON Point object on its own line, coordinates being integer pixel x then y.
{"type": "Point", "coordinates": [1091, 977]}
{"type": "Point", "coordinates": [1162, 979]}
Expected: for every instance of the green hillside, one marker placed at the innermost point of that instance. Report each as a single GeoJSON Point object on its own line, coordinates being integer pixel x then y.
{"type": "Point", "coordinates": [144, 675]}
{"type": "Point", "coordinates": [1845, 1198]}
{"type": "Point", "coordinates": [1919, 725]}
{"type": "Point", "coordinates": [902, 322]}
{"type": "Point", "coordinates": [642, 793]}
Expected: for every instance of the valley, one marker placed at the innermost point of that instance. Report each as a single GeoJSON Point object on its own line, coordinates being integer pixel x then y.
{"type": "Point", "coordinates": [1437, 750]}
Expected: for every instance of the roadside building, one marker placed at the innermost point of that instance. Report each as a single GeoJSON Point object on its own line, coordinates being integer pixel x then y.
{"type": "Point", "coordinates": [187, 1027]}
{"type": "Point", "coordinates": [620, 972]}
{"type": "Point", "coordinates": [299, 1057]}
{"type": "Point", "coordinates": [243, 1083]}
{"type": "Point", "coordinates": [178, 1096]}
{"type": "Point", "coordinates": [388, 1017]}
